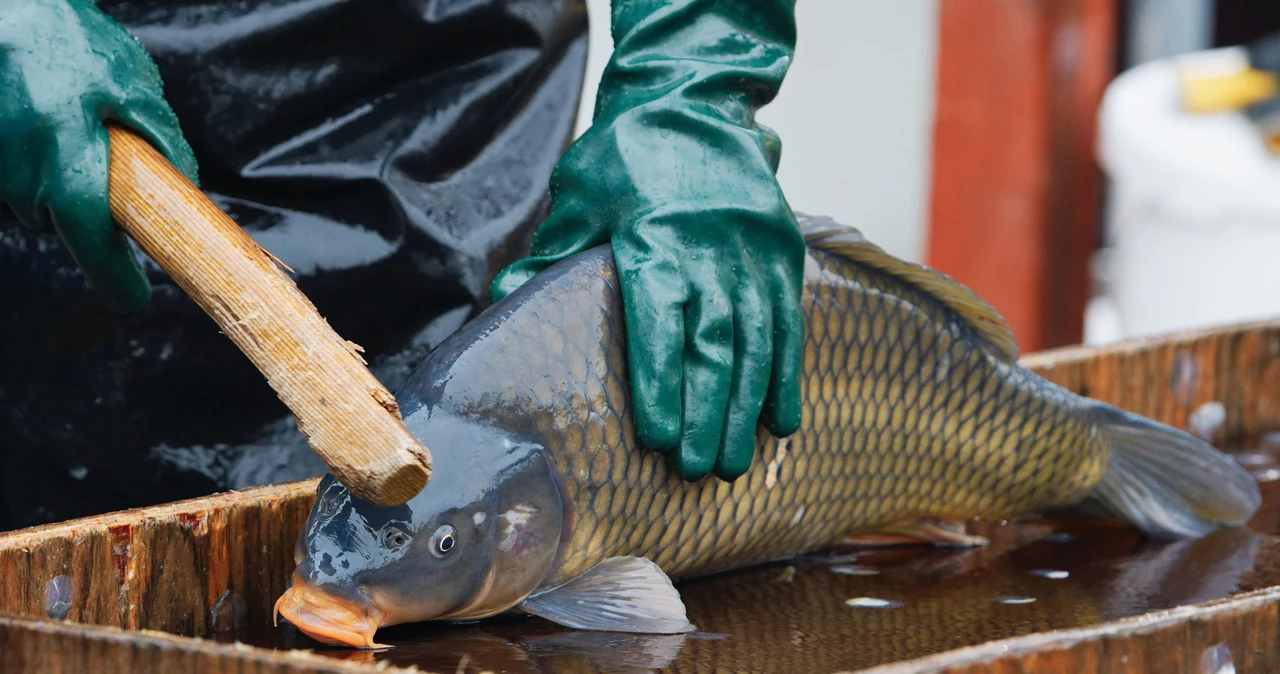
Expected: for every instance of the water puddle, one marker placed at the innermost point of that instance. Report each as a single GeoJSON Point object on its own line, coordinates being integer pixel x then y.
{"type": "Point", "coordinates": [856, 608]}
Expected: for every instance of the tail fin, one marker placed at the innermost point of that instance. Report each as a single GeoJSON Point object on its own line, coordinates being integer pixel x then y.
{"type": "Point", "coordinates": [1170, 483]}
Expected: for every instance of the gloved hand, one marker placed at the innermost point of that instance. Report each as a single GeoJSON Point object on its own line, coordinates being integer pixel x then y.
{"type": "Point", "coordinates": [64, 68]}
{"type": "Point", "coordinates": [676, 173]}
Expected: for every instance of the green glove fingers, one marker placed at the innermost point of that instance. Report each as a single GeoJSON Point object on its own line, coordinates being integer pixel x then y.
{"type": "Point", "coordinates": [547, 250]}
{"type": "Point", "coordinates": [576, 222]}
{"type": "Point", "coordinates": [137, 99]}
{"type": "Point", "coordinates": [753, 343]}
{"type": "Point", "coordinates": [783, 413]}
{"type": "Point", "coordinates": [65, 67]}
{"type": "Point", "coordinates": [513, 277]}
{"type": "Point", "coordinates": [679, 177]}
{"type": "Point", "coordinates": [654, 290]}
{"type": "Point", "coordinates": [76, 203]}
{"type": "Point", "coordinates": [708, 369]}
{"type": "Point", "coordinates": [153, 119]}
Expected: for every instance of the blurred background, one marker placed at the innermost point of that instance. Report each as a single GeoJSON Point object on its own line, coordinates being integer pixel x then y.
{"type": "Point", "coordinates": [1046, 153]}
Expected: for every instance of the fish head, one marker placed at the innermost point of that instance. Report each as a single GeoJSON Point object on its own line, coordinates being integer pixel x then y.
{"type": "Point", "coordinates": [477, 540]}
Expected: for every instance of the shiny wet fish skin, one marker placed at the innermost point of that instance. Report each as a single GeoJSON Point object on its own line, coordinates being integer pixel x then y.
{"type": "Point", "coordinates": [905, 414]}
{"type": "Point", "coordinates": [914, 406]}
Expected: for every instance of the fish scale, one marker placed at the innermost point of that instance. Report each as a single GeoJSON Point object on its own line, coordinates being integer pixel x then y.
{"type": "Point", "coordinates": [905, 415]}
{"type": "Point", "coordinates": [542, 500]}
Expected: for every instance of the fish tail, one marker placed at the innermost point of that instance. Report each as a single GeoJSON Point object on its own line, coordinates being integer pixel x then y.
{"type": "Point", "coordinates": [1170, 483]}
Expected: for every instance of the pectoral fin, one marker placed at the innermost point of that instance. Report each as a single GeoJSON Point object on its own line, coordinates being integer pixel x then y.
{"type": "Point", "coordinates": [620, 594]}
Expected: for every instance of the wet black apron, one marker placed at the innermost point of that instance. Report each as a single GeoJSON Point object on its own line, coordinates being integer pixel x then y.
{"type": "Point", "coordinates": [394, 153]}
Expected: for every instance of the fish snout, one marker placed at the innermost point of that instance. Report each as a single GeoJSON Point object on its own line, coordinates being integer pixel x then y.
{"type": "Point", "coordinates": [327, 617]}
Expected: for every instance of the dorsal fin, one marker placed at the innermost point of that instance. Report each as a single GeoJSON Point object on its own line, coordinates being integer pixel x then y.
{"type": "Point", "coordinates": [825, 234]}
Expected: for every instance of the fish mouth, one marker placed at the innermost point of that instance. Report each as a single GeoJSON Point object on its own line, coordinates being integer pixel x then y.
{"type": "Point", "coordinates": [328, 618]}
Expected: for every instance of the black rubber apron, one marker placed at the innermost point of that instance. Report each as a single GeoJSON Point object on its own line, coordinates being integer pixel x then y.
{"type": "Point", "coordinates": [394, 153]}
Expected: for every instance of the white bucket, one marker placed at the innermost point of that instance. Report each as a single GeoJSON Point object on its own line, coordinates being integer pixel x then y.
{"type": "Point", "coordinates": [1193, 216]}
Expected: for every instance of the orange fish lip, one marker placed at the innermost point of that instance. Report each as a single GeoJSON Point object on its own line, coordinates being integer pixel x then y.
{"type": "Point", "coordinates": [328, 618]}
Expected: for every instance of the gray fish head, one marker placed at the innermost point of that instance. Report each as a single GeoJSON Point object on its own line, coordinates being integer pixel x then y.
{"type": "Point", "coordinates": [479, 538]}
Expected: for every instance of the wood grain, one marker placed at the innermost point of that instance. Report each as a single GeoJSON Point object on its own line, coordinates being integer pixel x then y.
{"type": "Point", "coordinates": [1169, 378]}
{"type": "Point", "coordinates": [346, 414]}
{"type": "Point", "coordinates": [29, 646]}
{"type": "Point", "coordinates": [178, 567]}
{"type": "Point", "coordinates": [1164, 641]}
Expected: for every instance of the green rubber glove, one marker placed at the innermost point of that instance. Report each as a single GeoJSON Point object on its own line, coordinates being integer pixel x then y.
{"type": "Point", "coordinates": [678, 176]}
{"type": "Point", "coordinates": [64, 68]}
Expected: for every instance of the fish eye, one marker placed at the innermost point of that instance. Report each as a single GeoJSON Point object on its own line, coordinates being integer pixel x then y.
{"type": "Point", "coordinates": [394, 538]}
{"type": "Point", "coordinates": [444, 540]}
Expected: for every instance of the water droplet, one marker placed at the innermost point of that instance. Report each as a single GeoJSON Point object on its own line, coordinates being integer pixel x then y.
{"type": "Point", "coordinates": [872, 602]}
{"type": "Point", "coordinates": [78, 471]}
{"type": "Point", "coordinates": [228, 615]}
{"type": "Point", "coordinates": [57, 597]}
{"type": "Point", "coordinates": [1207, 419]}
{"type": "Point", "coordinates": [1268, 475]}
{"type": "Point", "coordinates": [1254, 459]}
{"type": "Point", "coordinates": [1050, 573]}
{"type": "Point", "coordinates": [1216, 659]}
{"type": "Point", "coordinates": [855, 570]}
{"type": "Point", "coordinates": [1015, 600]}
{"type": "Point", "coordinates": [1184, 377]}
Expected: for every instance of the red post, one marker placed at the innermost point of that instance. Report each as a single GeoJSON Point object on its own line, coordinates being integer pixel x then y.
{"type": "Point", "coordinates": [1015, 206]}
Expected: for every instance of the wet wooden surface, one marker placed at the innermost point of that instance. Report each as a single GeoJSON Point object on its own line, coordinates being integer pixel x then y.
{"type": "Point", "coordinates": [1168, 379]}
{"type": "Point", "coordinates": [213, 567]}
{"type": "Point", "coordinates": [1241, 631]}
{"type": "Point", "coordinates": [190, 568]}
{"type": "Point", "coordinates": [43, 646]}
{"type": "Point", "coordinates": [793, 616]}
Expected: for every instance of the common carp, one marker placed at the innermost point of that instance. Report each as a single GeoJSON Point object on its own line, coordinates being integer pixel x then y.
{"type": "Point", "coordinates": [542, 500]}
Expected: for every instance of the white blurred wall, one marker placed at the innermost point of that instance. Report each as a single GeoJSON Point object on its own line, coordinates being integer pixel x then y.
{"type": "Point", "coordinates": [855, 113]}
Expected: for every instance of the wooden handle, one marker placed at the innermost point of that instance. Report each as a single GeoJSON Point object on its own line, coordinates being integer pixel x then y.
{"type": "Point", "coordinates": [349, 418]}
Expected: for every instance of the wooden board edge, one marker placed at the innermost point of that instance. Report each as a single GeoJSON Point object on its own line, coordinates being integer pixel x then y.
{"type": "Point", "coordinates": [1050, 358]}
{"type": "Point", "coordinates": [1007, 654]}
{"type": "Point", "coordinates": [31, 647]}
{"type": "Point", "coordinates": [169, 567]}
{"type": "Point", "coordinates": [264, 495]}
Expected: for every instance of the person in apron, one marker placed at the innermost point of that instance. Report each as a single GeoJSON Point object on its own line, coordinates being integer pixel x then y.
{"type": "Point", "coordinates": [396, 155]}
